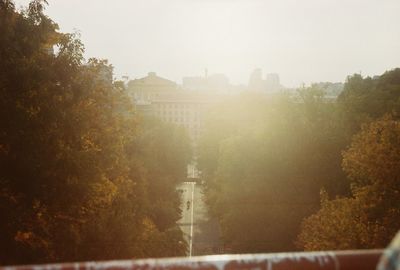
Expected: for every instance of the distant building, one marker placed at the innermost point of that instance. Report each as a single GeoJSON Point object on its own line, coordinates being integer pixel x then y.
{"type": "Point", "coordinates": [186, 110]}
{"type": "Point", "coordinates": [271, 84]}
{"type": "Point", "coordinates": [217, 83]}
{"type": "Point", "coordinates": [256, 83]}
{"type": "Point", "coordinates": [150, 87]}
{"type": "Point", "coordinates": [195, 83]}
{"type": "Point", "coordinates": [162, 98]}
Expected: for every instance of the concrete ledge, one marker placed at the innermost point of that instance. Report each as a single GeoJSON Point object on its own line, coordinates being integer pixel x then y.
{"type": "Point", "coordinates": [334, 260]}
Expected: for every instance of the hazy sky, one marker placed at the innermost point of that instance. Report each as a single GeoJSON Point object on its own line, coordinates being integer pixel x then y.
{"type": "Point", "coordinates": [302, 40]}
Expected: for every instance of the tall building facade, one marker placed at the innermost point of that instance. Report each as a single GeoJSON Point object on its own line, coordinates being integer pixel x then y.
{"type": "Point", "coordinates": [217, 83]}
{"type": "Point", "coordinates": [271, 83]}
{"type": "Point", "coordinates": [150, 87]}
{"type": "Point", "coordinates": [256, 83]}
{"type": "Point", "coordinates": [162, 98]}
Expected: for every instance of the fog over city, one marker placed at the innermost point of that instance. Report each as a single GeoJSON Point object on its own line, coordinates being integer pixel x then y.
{"type": "Point", "coordinates": [303, 41]}
{"type": "Point", "coordinates": [257, 131]}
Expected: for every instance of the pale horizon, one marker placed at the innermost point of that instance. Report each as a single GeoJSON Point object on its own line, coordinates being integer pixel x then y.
{"type": "Point", "coordinates": [311, 41]}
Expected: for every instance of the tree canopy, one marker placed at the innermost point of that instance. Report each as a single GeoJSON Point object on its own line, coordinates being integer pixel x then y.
{"type": "Point", "coordinates": [79, 171]}
{"type": "Point", "coordinates": [369, 218]}
{"type": "Point", "coordinates": [264, 162]}
{"type": "Point", "coordinates": [272, 163]}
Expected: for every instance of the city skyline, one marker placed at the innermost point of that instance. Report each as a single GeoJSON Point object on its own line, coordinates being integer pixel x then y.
{"type": "Point", "coordinates": [309, 42]}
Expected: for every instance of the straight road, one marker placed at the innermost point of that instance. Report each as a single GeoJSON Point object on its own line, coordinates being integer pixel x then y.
{"type": "Point", "coordinates": [200, 232]}
{"type": "Point", "coordinates": [188, 205]}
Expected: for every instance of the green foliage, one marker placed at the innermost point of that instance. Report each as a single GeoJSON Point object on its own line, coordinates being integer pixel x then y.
{"type": "Point", "coordinates": [364, 99]}
{"type": "Point", "coordinates": [79, 171]}
{"type": "Point", "coordinates": [264, 161]}
{"type": "Point", "coordinates": [165, 151]}
{"type": "Point", "coordinates": [368, 219]}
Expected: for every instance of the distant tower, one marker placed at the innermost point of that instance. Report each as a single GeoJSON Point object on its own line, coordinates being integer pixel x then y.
{"type": "Point", "coordinates": [256, 81]}
{"type": "Point", "coordinates": [206, 73]}
{"type": "Point", "coordinates": [272, 82]}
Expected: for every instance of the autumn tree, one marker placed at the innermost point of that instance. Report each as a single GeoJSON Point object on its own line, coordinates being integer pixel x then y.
{"type": "Point", "coordinates": [264, 160]}
{"type": "Point", "coordinates": [369, 218]}
{"type": "Point", "coordinates": [75, 182]}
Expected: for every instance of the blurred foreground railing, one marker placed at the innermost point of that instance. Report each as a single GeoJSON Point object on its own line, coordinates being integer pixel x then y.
{"type": "Point", "coordinates": [343, 260]}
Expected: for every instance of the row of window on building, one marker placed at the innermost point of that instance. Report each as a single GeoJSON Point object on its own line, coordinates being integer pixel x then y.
{"type": "Point", "coordinates": [194, 129]}
{"type": "Point", "coordinates": [179, 106]}
{"type": "Point", "coordinates": [186, 115]}
{"type": "Point", "coordinates": [194, 115]}
{"type": "Point", "coordinates": [180, 120]}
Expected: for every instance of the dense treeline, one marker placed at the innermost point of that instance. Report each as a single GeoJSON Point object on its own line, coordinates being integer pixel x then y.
{"type": "Point", "coordinates": [271, 162]}
{"type": "Point", "coordinates": [369, 217]}
{"type": "Point", "coordinates": [82, 177]}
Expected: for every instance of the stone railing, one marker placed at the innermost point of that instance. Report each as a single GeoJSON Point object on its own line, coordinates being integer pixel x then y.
{"type": "Point", "coordinates": [335, 260]}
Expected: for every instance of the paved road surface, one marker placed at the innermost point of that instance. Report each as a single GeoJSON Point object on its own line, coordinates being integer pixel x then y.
{"type": "Point", "coordinates": [200, 232]}
{"type": "Point", "coordinates": [187, 206]}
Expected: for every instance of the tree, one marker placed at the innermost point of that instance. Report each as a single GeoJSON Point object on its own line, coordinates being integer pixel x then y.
{"type": "Point", "coordinates": [369, 218]}
{"type": "Point", "coordinates": [74, 183]}
{"type": "Point", "coordinates": [264, 161]}
{"type": "Point", "coordinates": [165, 151]}
{"type": "Point", "coordinates": [365, 99]}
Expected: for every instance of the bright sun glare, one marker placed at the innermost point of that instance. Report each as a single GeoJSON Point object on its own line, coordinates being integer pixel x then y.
{"type": "Point", "coordinates": [137, 129]}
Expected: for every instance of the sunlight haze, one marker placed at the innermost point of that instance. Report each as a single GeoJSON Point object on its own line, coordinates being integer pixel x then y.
{"type": "Point", "coordinates": [303, 41]}
{"type": "Point", "coordinates": [266, 133]}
